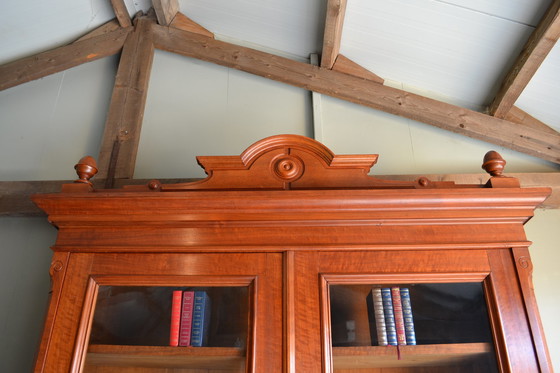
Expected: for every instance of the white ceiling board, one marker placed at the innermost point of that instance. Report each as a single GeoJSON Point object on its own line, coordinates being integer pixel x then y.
{"type": "Point", "coordinates": [528, 12]}
{"type": "Point", "coordinates": [291, 26]}
{"type": "Point", "coordinates": [541, 97]}
{"type": "Point", "coordinates": [451, 50]}
{"type": "Point", "coordinates": [33, 26]}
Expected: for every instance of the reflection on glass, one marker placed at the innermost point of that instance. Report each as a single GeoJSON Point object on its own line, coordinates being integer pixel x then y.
{"type": "Point", "coordinates": [132, 326]}
{"type": "Point", "coordinates": [449, 321]}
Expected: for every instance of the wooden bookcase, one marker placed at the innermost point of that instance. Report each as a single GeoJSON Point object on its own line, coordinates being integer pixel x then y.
{"type": "Point", "coordinates": [289, 239]}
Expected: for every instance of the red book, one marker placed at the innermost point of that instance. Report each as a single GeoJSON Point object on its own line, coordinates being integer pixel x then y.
{"type": "Point", "coordinates": [398, 312]}
{"type": "Point", "coordinates": [186, 319]}
{"type": "Point", "coordinates": [175, 318]}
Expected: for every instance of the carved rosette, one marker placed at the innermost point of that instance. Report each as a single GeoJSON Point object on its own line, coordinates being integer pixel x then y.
{"type": "Point", "coordinates": [56, 266]}
{"type": "Point", "coordinates": [287, 168]}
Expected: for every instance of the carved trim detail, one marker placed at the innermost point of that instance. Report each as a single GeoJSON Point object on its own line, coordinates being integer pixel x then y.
{"type": "Point", "coordinates": [525, 262]}
{"type": "Point", "coordinates": [287, 167]}
{"type": "Point", "coordinates": [56, 266]}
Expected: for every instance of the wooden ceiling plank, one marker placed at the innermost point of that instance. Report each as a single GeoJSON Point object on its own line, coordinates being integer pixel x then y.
{"type": "Point", "coordinates": [62, 58]}
{"type": "Point", "coordinates": [531, 57]}
{"type": "Point", "coordinates": [119, 7]}
{"type": "Point", "coordinates": [15, 195]}
{"type": "Point", "coordinates": [363, 92]}
{"type": "Point", "coordinates": [165, 10]}
{"type": "Point", "coordinates": [516, 115]}
{"type": "Point", "coordinates": [126, 110]}
{"type": "Point", "coordinates": [184, 23]}
{"type": "Point", "coordinates": [347, 66]}
{"type": "Point", "coordinates": [336, 10]}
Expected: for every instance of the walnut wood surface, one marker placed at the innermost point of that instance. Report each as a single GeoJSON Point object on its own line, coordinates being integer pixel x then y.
{"type": "Point", "coordinates": [279, 220]}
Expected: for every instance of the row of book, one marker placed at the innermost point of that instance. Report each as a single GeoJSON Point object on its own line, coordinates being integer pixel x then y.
{"type": "Point", "coordinates": [190, 318]}
{"type": "Point", "coordinates": [394, 324]}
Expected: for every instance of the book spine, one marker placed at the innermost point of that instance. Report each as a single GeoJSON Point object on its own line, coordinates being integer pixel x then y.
{"type": "Point", "coordinates": [398, 314]}
{"type": "Point", "coordinates": [201, 319]}
{"type": "Point", "coordinates": [379, 317]}
{"type": "Point", "coordinates": [186, 319]}
{"type": "Point", "coordinates": [389, 316]}
{"type": "Point", "coordinates": [175, 318]}
{"type": "Point", "coordinates": [409, 332]}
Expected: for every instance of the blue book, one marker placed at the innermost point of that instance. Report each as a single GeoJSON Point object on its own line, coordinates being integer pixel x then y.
{"type": "Point", "coordinates": [390, 326]}
{"type": "Point", "coordinates": [407, 316]}
{"type": "Point", "coordinates": [200, 319]}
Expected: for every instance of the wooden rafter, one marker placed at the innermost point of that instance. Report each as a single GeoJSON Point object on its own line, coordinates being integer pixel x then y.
{"type": "Point", "coordinates": [516, 115]}
{"type": "Point", "coordinates": [363, 92]}
{"type": "Point", "coordinates": [121, 136]}
{"type": "Point", "coordinates": [533, 54]}
{"type": "Point", "coordinates": [121, 12]}
{"type": "Point", "coordinates": [347, 66]}
{"type": "Point", "coordinates": [15, 195]}
{"type": "Point", "coordinates": [86, 49]}
{"type": "Point", "coordinates": [165, 10]}
{"type": "Point", "coordinates": [333, 32]}
{"type": "Point", "coordinates": [184, 23]}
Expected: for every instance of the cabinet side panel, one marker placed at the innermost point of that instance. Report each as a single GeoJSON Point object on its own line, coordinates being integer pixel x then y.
{"type": "Point", "coordinates": [59, 265]}
{"type": "Point", "coordinates": [68, 314]}
{"type": "Point", "coordinates": [514, 322]}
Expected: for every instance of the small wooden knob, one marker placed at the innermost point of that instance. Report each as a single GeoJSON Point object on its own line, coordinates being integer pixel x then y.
{"type": "Point", "coordinates": [493, 163]}
{"type": "Point", "coordinates": [86, 169]}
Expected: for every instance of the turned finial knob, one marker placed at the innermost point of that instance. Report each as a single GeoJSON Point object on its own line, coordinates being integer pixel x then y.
{"type": "Point", "coordinates": [493, 163]}
{"type": "Point", "coordinates": [86, 169]}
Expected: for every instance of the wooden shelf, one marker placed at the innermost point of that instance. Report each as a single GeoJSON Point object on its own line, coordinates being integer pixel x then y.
{"type": "Point", "coordinates": [229, 358]}
{"type": "Point", "coordinates": [410, 356]}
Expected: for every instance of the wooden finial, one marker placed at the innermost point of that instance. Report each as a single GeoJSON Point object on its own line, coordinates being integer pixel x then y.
{"type": "Point", "coordinates": [86, 169]}
{"type": "Point", "coordinates": [493, 163]}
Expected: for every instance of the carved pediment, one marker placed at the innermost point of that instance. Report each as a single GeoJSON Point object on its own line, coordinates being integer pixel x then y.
{"type": "Point", "coordinates": [288, 162]}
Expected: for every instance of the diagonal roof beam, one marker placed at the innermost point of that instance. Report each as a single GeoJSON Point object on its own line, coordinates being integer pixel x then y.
{"type": "Point", "coordinates": [361, 91]}
{"type": "Point", "coordinates": [121, 13]}
{"type": "Point", "coordinates": [336, 10]}
{"type": "Point", "coordinates": [84, 50]}
{"type": "Point", "coordinates": [533, 54]}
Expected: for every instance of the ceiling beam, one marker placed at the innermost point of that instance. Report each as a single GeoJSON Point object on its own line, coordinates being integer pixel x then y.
{"type": "Point", "coordinates": [15, 195]}
{"type": "Point", "coordinates": [119, 146]}
{"type": "Point", "coordinates": [119, 7]}
{"type": "Point", "coordinates": [336, 10]}
{"type": "Point", "coordinates": [363, 92]}
{"type": "Point", "coordinates": [84, 50]}
{"type": "Point", "coordinates": [531, 57]}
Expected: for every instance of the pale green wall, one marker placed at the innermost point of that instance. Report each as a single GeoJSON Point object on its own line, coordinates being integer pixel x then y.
{"type": "Point", "coordinates": [195, 108]}
{"type": "Point", "coordinates": [25, 259]}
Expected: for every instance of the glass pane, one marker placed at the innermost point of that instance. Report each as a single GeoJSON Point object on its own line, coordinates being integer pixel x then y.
{"type": "Point", "coordinates": [167, 328]}
{"type": "Point", "coordinates": [441, 325]}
